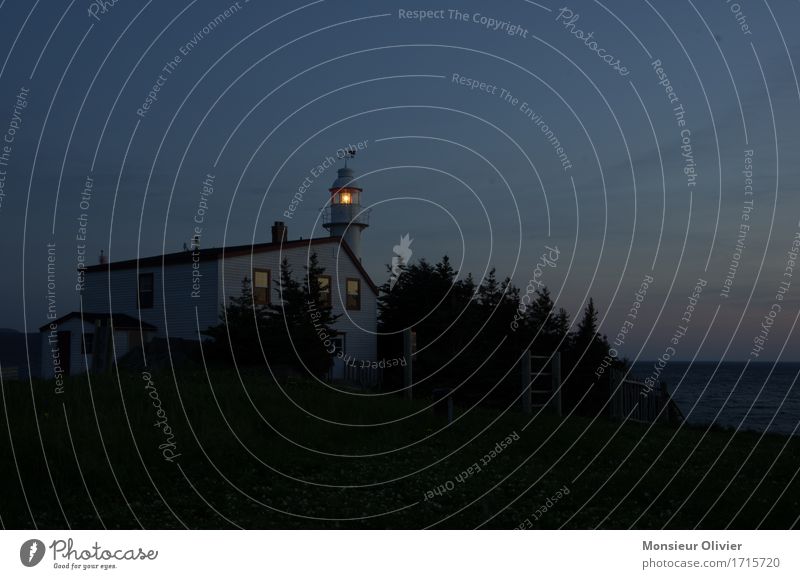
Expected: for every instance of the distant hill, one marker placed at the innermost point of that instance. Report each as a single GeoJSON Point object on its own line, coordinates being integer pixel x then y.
{"type": "Point", "coordinates": [12, 351]}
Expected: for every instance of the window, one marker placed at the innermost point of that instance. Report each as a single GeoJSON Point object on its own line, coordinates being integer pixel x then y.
{"type": "Point", "coordinates": [345, 196]}
{"type": "Point", "coordinates": [261, 283]}
{"type": "Point", "coordinates": [145, 290]}
{"type": "Point", "coordinates": [87, 343]}
{"type": "Point", "coordinates": [324, 291]}
{"type": "Point", "coordinates": [338, 344]}
{"type": "Point", "coordinates": [353, 294]}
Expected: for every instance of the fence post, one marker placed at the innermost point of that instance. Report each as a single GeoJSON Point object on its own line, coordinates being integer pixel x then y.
{"type": "Point", "coordinates": [102, 348]}
{"type": "Point", "coordinates": [407, 372]}
{"type": "Point", "coordinates": [525, 381]}
{"type": "Point", "coordinates": [555, 376]}
{"type": "Point", "coordinates": [615, 392]}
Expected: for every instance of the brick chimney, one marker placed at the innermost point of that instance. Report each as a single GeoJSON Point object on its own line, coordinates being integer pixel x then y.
{"type": "Point", "coordinates": [279, 232]}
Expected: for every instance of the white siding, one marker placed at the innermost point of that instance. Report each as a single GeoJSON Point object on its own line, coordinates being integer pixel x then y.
{"type": "Point", "coordinates": [177, 300]}
{"type": "Point", "coordinates": [173, 294]}
{"type": "Point", "coordinates": [360, 326]}
{"type": "Point", "coordinates": [77, 361]}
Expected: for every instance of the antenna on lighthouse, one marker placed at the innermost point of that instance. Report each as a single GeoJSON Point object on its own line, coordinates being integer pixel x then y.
{"type": "Point", "coordinates": [346, 154]}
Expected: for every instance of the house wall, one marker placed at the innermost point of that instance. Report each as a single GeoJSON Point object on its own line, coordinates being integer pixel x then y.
{"type": "Point", "coordinates": [174, 294]}
{"type": "Point", "coordinates": [224, 278]}
{"type": "Point", "coordinates": [360, 325]}
{"type": "Point", "coordinates": [77, 361]}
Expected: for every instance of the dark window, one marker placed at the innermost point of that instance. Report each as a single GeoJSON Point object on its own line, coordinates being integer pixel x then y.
{"type": "Point", "coordinates": [338, 344]}
{"type": "Point", "coordinates": [261, 283]}
{"type": "Point", "coordinates": [324, 291]}
{"type": "Point", "coordinates": [353, 294]}
{"type": "Point", "coordinates": [146, 286]}
{"type": "Point", "coordinates": [87, 343]}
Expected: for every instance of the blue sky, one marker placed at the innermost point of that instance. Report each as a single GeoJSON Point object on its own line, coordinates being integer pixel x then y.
{"type": "Point", "coordinates": [272, 90]}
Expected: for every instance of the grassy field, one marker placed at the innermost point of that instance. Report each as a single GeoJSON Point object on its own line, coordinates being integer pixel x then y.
{"type": "Point", "coordinates": [248, 453]}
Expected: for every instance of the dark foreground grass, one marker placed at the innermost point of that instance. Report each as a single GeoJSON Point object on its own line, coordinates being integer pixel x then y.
{"type": "Point", "coordinates": [302, 455]}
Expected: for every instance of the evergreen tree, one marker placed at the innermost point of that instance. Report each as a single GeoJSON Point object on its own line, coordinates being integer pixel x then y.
{"type": "Point", "coordinates": [586, 332]}
{"type": "Point", "coordinates": [235, 338]}
{"type": "Point", "coordinates": [548, 326]}
{"type": "Point", "coordinates": [302, 326]}
{"type": "Point", "coordinates": [320, 317]}
{"type": "Point", "coordinates": [295, 330]}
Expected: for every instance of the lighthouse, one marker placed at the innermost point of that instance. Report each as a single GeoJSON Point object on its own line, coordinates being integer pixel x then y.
{"type": "Point", "coordinates": [344, 217]}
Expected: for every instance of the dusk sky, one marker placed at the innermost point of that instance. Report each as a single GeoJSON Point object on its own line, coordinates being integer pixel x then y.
{"type": "Point", "coordinates": [265, 96]}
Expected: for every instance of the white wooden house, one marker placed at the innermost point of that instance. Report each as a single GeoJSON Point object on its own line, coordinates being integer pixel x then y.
{"type": "Point", "coordinates": [180, 295]}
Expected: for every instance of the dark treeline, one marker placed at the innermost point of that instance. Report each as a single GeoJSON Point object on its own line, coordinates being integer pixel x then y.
{"type": "Point", "coordinates": [470, 336]}
{"type": "Point", "coordinates": [292, 332]}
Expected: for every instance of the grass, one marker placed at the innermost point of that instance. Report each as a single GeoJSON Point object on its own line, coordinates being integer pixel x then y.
{"type": "Point", "coordinates": [264, 456]}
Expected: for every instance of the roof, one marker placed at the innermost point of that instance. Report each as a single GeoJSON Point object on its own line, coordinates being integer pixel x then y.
{"type": "Point", "coordinates": [345, 178]}
{"type": "Point", "coordinates": [118, 321]}
{"type": "Point", "coordinates": [213, 253]}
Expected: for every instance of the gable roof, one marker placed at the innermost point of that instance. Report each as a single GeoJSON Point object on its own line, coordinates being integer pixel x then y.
{"type": "Point", "coordinates": [213, 253]}
{"type": "Point", "coordinates": [118, 321]}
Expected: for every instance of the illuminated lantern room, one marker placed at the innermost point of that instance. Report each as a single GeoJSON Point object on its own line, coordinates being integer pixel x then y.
{"type": "Point", "coordinates": [344, 217]}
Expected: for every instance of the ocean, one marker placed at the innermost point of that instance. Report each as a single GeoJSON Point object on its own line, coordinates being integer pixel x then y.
{"type": "Point", "coordinates": [761, 396]}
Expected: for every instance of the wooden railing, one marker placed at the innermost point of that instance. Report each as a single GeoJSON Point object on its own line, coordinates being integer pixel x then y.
{"type": "Point", "coordinates": [637, 401]}
{"type": "Point", "coordinates": [10, 373]}
{"type": "Point", "coordinates": [364, 377]}
{"type": "Point", "coordinates": [541, 382]}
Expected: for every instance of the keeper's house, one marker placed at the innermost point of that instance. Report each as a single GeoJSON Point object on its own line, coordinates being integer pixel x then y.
{"type": "Point", "coordinates": [180, 295]}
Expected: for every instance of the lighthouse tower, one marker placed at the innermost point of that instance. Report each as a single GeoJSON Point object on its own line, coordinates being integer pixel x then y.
{"type": "Point", "coordinates": [344, 217]}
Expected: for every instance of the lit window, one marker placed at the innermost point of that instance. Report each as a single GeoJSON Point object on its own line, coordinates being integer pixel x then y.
{"type": "Point", "coordinates": [145, 290]}
{"type": "Point", "coordinates": [345, 196]}
{"type": "Point", "coordinates": [324, 290]}
{"type": "Point", "coordinates": [261, 286]}
{"type": "Point", "coordinates": [353, 294]}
